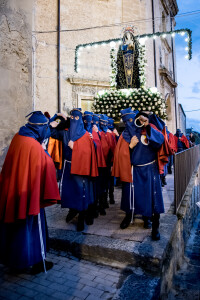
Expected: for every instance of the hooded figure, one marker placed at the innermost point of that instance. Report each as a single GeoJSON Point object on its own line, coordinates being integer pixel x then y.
{"type": "Point", "coordinates": [79, 167]}
{"type": "Point", "coordinates": [143, 140]}
{"type": "Point", "coordinates": [181, 141]}
{"type": "Point", "coordinates": [87, 119]}
{"type": "Point", "coordinates": [27, 185]}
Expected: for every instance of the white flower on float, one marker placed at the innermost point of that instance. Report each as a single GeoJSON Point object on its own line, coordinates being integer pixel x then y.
{"type": "Point", "coordinates": [156, 112]}
{"type": "Point", "coordinates": [149, 108]}
{"type": "Point", "coordinates": [142, 41]}
{"type": "Point", "coordinates": [186, 48]}
{"type": "Point", "coordinates": [101, 92]}
{"type": "Point", "coordinates": [186, 56]}
{"type": "Point", "coordinates": [159, 102]}
{"type": "Point", "coordinates": [88, 46]}
{"type": "Point", "coordinates": [153, 89]}
{"type": "Point", "coordinates": [164, 35]}
{"type": "Point", "coordinates": [96, 45]}
{"type": "Point", "coordinates": [154, 36]}
{"type": "Point", "coordinates": [103, 44]}
{"type": "Point", "coordinates": [182, 33]}
{"type": "Point", "coordinates": [112, 44]}
{"type": "Point", "coordinates": [186, 39]}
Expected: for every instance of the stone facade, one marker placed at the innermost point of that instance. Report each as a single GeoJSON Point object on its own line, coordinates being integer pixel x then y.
{"type": "Point", "coordinates": [29, 62]}
{"type": "Point", "coordinates": [94, 63]}
{"type": "Point", "coordinates": [182, 119]}
{"type": "Point", "coordinates": [15, 68]}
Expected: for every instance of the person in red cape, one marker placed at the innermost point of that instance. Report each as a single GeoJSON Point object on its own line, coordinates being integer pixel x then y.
{"type": "Point", "coordinates": [108, 144]}
{"type": "Point", "coordinates": [79, 166]}
{"type": "Point", "coordinates": [27, 185]}
{"type": "Point", "coordinates": [138, 147]}
{"type": "Point", "coordinates": [181, 141]}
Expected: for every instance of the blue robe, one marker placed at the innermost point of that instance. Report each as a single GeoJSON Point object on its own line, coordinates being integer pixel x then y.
{"type": "Point", "coordinates": [76, 191]}
{"type": "Point", "coordinates": [20, 242]}
{"type": "Point", "coordinates": [147, 187]}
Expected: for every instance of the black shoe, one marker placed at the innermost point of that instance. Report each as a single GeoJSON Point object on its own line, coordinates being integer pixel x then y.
{"type": "Point", "coordinates": [126, 221]}
{"type": "Point", "coordinates": [89, 220]}
{"type": "Point", "coordinates": [147, 222]}
{"type": "Point", "coordinates": [39, 267]}
{"type": "Point", "coordinates": [112, 201]}
{"type": "Point", "coordinates": [155, 235]}
{"type": "Point", "coordinates": [81, 220]}
{"type": "Point", "coordinates": [105, 201]}
{"type": "Point", "coordinates": [71, 214]}
{"type": "Point", "coordinates": [102, 211]}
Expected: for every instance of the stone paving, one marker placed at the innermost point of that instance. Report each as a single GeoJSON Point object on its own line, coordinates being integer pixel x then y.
{"type": "Point", "coordinates": [108, 226]}
{"type": "Point", "coordinates": [73, 278]}
{"type": "Point", "coordinates": [69, 279]}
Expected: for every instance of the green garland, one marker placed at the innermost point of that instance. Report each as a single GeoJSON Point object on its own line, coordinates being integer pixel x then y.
{"type": "Point", "coordinates": [113, 74]}
{"type": "Point", "coordinates": [157, 34]}
{"type": "Point", "coordinates": [110, 102]}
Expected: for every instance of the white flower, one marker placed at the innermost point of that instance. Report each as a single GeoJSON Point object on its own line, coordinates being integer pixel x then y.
{"type": "Point", "coordinates": [149, 108]}
{"type": "Point", "coordinates": [113, 115]}
{"type": "Point", "coordinates": [149, 99]}
{"type": "Point", "coordinates": [153, 107]}
{"type": "Point", "coordinates": [159, 102]}
{"type": "Point", "coordinates": [156, 112]}
{"type": "Point", "coordinates": [141, 104]}
{"type": "Point", "coordinates": [138, 101]}
{"type": "Point", "coordinates": [127, 101]}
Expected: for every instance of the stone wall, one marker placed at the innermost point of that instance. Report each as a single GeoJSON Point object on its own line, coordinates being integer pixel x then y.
{"type": "Point", "coordinates": [15, 68]}
{"type": "Point", "coordinates": [94, 63]}
{"type": "Point", "coordinates": [186, 216]}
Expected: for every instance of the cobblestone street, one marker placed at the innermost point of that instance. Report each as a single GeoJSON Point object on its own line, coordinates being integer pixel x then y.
{"type": "Point", "coordinates": [69, 278]}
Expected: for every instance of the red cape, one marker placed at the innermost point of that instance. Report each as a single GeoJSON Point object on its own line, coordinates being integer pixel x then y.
{"type": "Point", "coordinates": [172, 143]}
{"type": "Point", "coordinates": [108, 144]}
{"type": "Point", "coordinates": [164, 151]}
{"type": "Point", "coordinates": [99, 151]}
{"type": "Point", "coordinates": [122, 163]}
{"type": "Point", "coordinates": [84, 157]}
{"type": "Point", "coordinates": [27, 181]}
{"type": "Point", "coordinates": [183, 140]}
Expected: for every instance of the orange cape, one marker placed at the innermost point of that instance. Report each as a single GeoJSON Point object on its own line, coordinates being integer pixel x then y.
{"type": "Point", "coordinates": [84, 157]}
{"type": "Point", "coordinates": [122, 163]}
{"type": "Point", "coordinates": [27, 181]}
{"type": "Point", "coordinates": [55, 151]}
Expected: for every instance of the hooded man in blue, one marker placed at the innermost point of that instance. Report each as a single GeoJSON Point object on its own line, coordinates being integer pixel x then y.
{"type": "Point", "coordinates": [144, 142]}
{"type": "Point", "coordinates": [78, 167]}
{"type": "Point", "coordinates": [31, 175]}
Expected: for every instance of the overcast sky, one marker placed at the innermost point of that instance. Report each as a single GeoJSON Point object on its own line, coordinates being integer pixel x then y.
{"type": "Point", "coordinates": [188, 71]}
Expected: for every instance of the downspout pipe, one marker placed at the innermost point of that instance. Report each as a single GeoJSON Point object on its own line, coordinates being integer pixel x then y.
{"type": "Point", "coordinates": [174, 77]}
{"type": "Point", "coordinates": [154, 42]}
{"type": "Point", "coordinates": [58, 60]}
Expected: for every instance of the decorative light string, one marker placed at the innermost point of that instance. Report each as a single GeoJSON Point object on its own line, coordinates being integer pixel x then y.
{"type": "Point", "coordinates": [142, 39]}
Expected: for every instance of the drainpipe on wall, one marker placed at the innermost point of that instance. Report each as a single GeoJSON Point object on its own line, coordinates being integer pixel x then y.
{"type": "Point", "coordinates": [58, 59]}
{"type": "Point", "coordinates": [174, 77]}
{"type": "Point", "coordinates": [154, 42]}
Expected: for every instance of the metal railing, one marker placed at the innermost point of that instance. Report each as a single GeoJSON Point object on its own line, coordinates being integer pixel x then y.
{"type": "Point", "coordinates": [185, 163]}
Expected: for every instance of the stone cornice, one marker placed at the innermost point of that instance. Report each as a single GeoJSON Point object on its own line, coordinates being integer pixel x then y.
{"type": "Point", "coordinates": [167, 77]}
{"type": "Point", "coordinates": [170, 6]}
{"type": "Point", "coordinates": [88, 82]}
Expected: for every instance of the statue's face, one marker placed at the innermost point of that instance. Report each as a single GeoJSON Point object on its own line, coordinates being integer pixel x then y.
{"type": "Point", "coordinates": [128, 38]}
